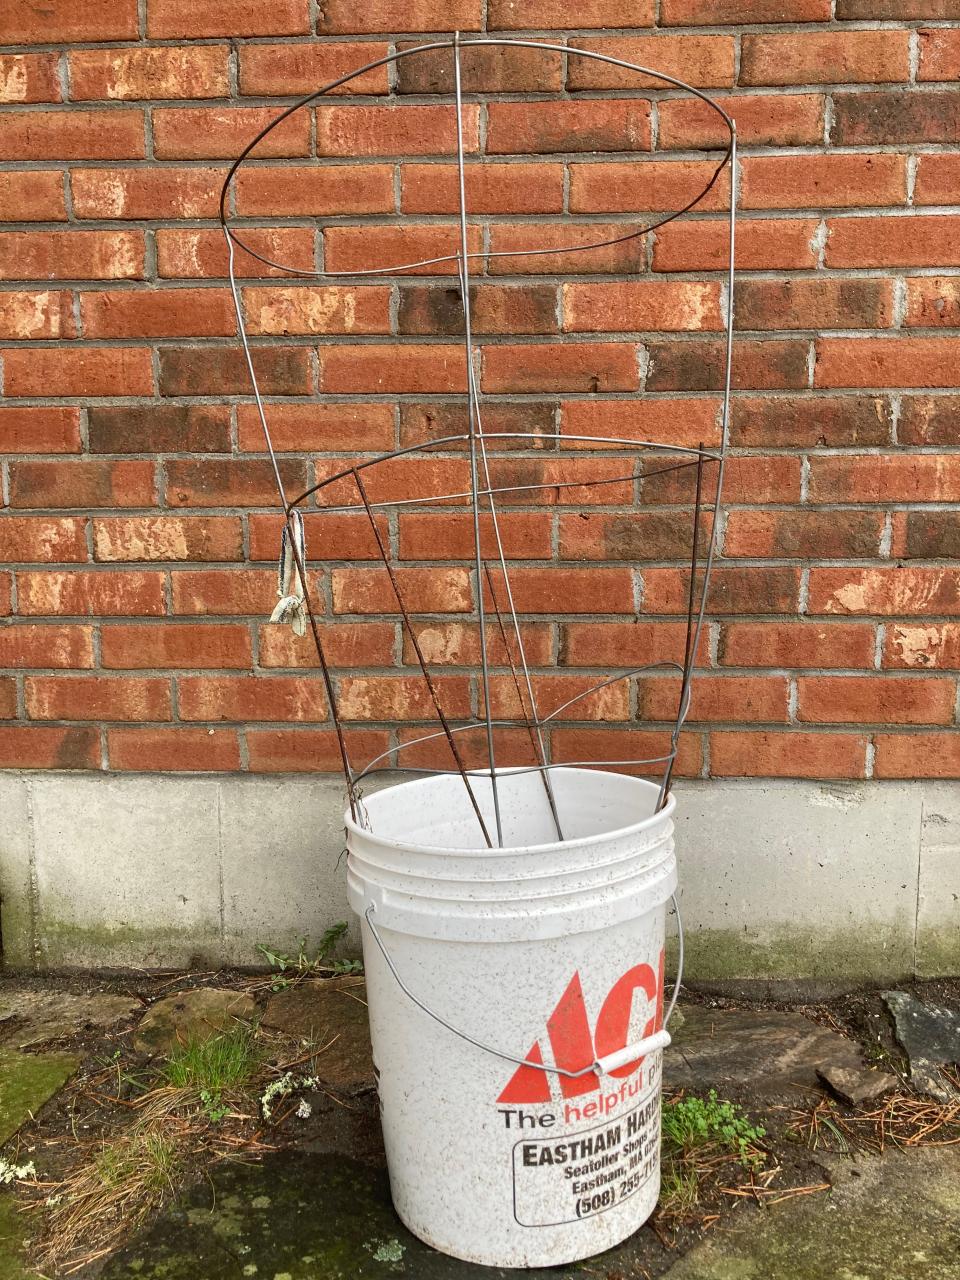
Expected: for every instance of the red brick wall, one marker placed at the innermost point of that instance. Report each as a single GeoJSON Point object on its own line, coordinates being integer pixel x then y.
{"type": "Point", "coordinates": [136, 536]}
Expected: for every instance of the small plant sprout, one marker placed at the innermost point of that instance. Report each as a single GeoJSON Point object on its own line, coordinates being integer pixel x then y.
{"type": "Point", "coordinates": [289, 968]}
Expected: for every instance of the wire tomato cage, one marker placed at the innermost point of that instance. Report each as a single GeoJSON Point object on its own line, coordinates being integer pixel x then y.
{"type": "Point", "coordinates": [487, 476]}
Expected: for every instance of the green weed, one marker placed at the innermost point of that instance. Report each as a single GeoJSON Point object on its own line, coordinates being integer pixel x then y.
{"type": "Point", "coordinates": [689, 1123]}
{"type": "Point", "coordinates": [291, 968]}
{"type": "Point", "coordinates": [211, 1068]}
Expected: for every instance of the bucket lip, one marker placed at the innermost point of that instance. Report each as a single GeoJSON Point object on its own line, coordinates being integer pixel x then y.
{"type": "Point", "coordinates": [497, 851]}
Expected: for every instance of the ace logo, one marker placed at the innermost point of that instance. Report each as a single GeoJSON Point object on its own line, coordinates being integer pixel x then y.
{"type": "Point", "coordinates": [574, 1046]}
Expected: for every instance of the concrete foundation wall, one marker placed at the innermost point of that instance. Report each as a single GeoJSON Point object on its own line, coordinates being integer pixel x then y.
{"type": "Point", "coordinates": [778, 879]}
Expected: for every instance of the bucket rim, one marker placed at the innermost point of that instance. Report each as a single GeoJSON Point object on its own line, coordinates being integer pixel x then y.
{"type": "Point", "coordinates": [660, 815]}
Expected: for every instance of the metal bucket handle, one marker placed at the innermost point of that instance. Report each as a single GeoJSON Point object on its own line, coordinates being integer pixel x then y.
{"type": "Point", "coordinates": [601, 1066]}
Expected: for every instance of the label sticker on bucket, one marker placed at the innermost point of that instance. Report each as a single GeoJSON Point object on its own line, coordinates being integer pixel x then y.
{"type": "Point", "coordinates": [561, 1179]}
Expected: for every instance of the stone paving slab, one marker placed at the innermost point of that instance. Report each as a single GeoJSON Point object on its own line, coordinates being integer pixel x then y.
{"type": "Point", "coordinates": [27, 1081]}
{"type": "Point", "coordinates": [34, 1017]}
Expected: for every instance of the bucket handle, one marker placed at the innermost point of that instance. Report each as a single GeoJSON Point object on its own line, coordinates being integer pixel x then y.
{"type": "Point", "coordinates": [601, 1066]}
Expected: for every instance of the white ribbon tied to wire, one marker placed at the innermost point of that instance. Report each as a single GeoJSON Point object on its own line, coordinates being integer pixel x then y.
{"type": "Point", "coordinates": [289, 586]}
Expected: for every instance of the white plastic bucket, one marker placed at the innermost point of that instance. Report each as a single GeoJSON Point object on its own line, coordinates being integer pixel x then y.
{"type": "Point", "coordinates": [544, 951]}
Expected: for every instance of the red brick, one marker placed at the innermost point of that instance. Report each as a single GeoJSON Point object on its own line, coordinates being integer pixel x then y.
{"type": "Point", "coordinates": [886, 362]}
{"type": "Point", "coordinates": [199, 371]}
{"type": "Point", "coordinates": [826, 57]}
{"type": "Point", "coordinates": [294, 69]}
{"type": "Point", "coordinates": [317, 428]}
{"type": "Point", "coordinates": [823, 182]}
{"type": "Point", "coordinates": [158, 428]}
{"type": "Point", "coordinates": [318, 189]}
{"type": "Point", "coordinates": [929, 420]}
{"type": "Point", "coordinates": [42, 539]}
{"type": "Point", "coordinates": [917, 755]}
{"type": "Point", "coordinates": [937, 177]}
{"type": "Point", "coordinates": [435, 421]}
{"type": "Point", "coordinates": [146, 193]}
{"type": "Point", "coordinates": [309, 750]}
{"type": "Point", "coordinates": [539, 15]}
{"type": "Point", "coordinates": [642, 305]}
{"type": "Point", "coordinates": [704, 61]}
{"type": "Point", "coordinates": [894, 242]}
{"type": "Point", "coordinates": [71, 134]}
{"type": "Point", "coordinates": [96, 698]}
{"type": "Point", "coordinates": [898, 10]}
{"type": "Point", "coordinates": [490, 188]}
{"type": "Point", "coordinates": [653, 184]}
{"type": "Point", "coordinates": [887, 592]}
{"type": "Point", "coordinates": [201, 72]}
{"type": "Point", "coordinates": [457, 644]}
{"type": "Point", "coordinates": [933, 302]}
{"type": "Point", "coordinates": [29, 77]}
{"type": "Point", "coordinates": [175, 645]}
{"type": "Point", "coordinates": [8, 698]}
{"type": "Point", "coordinates": [526, 241]}
{"type": "Point", "coordinates": [82, 484]}
{"type": "Point", "coordinates": [43, 747]}
{"type": "Point", "coordinates": [36, 313]}
{"type": "Point", "coordinates": [387, 248]}
{"type": "Point", "coordinates": [352, 644]}
{"type": "Point", "coordinates": [875, 699]}
{"type": "Point", "coordinates": [573, 591]}
{"type": "Point", "coordinates": [569, 746]}
{"type": "Point", "coordinates": [927, 535]}
{"type": "Point", "coordinates": [614, 125]}
{"type": "Point", "coordinates": [921, 477]}
{"type": "Point", "coordinates": [344, 17]}
{"type": "Point", "coordinates": [761, 244]}
{"type": "Point", "coordinates": [748, 480]}
{"type": "Point", "coordinates": [194, 19]}
{"type": "Point", "coordinates": [283, 309]}
{"type": "Point", "coordinates": [157, 313]}
{"type": "Point", "coordinates": [491, 69]}
{"type": "Point", "coordinates": [494, 308]}
{"type": "Point", "coordinates": [172, 750]}
{"type": "Point", "coordinates": [834, 535]}
{"type": "Point", "coordinates": [933, 646]}
{"type": "Point", "coordinates": [47, 430]}
{"type": "Point", "coordinates": [939, 54]}
{"type": "Point", "coordinates": [661, 420]}
{"type": "Point", "coordinates": [241, 698]}
{"type": "Point", "coordinates": [741, 699]}
{"type": "Point", "coordinates": [74, 255]}
{"type": "Point", "coordinates": [631, 536]}
{"type": "Point", "coordinates": [401, 698]}
{"type": "Point", "coordinates": [35, 195]}
{"type": "Point", "coordinates": [789, 120]}
{"type": "Point", "coordinates": [65, 21]}
{"type": "Point", "coordinates": [796, 644]}
{"type": "Point", "coordinates": [787, 755]}
{"type": "Point", "coordinates": [698, 364]}
{"type": "Point", "coordinates": [802, 420]}
{"type": "Point", "coordinates": [246, 482]}
{"type": "Point", "coordinates": [814, 304]}
{"type": "Point", "coordinates": [895, 116]}
{"type": "Point", "coordinates": [568, 366]}
{"type": "Point", "coordinates": [551, 692]}
{"type": "Point", "coordinates": [622, 644]}
{"type": "Point", "coordinates": [696, 13]}
{"type": "Point", "coordinates": [392, 131]}
{"type": "Point", "coordinates": [166, 537]}
{"type": "Point", "coordinates": [224, 592]}
{"type": "Point", "coordinates": [6, 594]}
{"type": "Point", "coordinates": [81, 592]}
{"type": "Point", "coordinates": [329, 536]}
{"type": "Point", "coordinates": [88, 371]}
{"type": "Point", "coordinates": [748, 589]}
{"type": "Point", "coordinates": [445, 590]}
{"type": "Point", "coordinates": [202, 254]}
{"type": "Point", "coordinates": [524, 536]}
{"type": "Point", "coordinates": [566, 481]}
{"type": "Point", "coordinates": [202, 133]}
{"type": "Point", "coordinates": [419, 748]}
{"type": "Point", "coordinates": [399, 367]}
{"type": "Point", "coordinates": [30, 645]}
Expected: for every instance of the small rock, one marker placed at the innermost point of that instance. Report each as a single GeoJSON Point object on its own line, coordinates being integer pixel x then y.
{"type": "Point", "coordinates": [930, 1037]}
{"type": "Point", "coordinates": [27, 1081]}
{"type": "Point", "coordinates": [37, 1016]}
{"type": "Point", "coordinates": [324, 1010]}
{"type": "Point", "coordinates": [192, 1016]}
{"type": "Point", "coordinates": [857, 1085]}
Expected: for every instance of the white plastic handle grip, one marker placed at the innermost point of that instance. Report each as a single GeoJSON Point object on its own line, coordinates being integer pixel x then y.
{"type": "Point", "coordinates": [630, 1052]}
